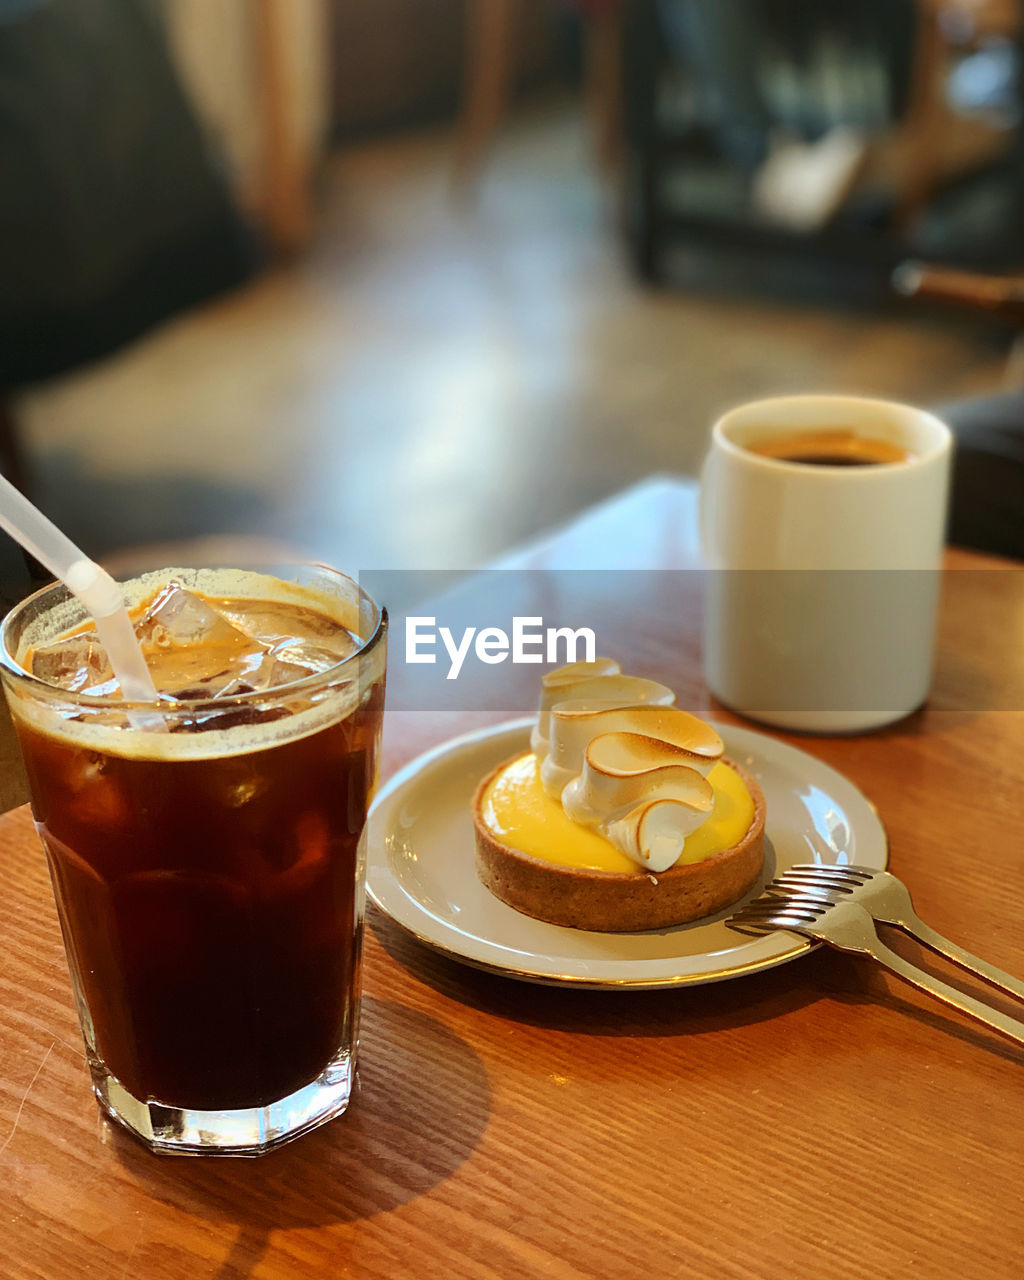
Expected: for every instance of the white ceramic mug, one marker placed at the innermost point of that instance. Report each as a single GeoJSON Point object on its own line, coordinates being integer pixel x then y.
{"type": "Point", "coordinates": [824, 580]}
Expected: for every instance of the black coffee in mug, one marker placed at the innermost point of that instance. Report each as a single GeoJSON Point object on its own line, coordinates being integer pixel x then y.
{"type": "Point", "coordinates": [835, 447]}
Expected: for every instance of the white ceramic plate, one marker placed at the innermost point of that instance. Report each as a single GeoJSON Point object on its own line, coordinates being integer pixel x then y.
{"type": "Point", "coordinates": [420, 869]}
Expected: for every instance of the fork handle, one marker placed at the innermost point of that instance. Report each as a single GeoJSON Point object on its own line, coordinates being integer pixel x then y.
{"type": "Point", "coordinates": [993, 1018]}
{"type": "Point", "coordinates": [924, 933]}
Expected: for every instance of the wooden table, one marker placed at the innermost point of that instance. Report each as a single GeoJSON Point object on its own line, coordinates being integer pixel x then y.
{"type": "Point", "coordinates": [816, 1120]}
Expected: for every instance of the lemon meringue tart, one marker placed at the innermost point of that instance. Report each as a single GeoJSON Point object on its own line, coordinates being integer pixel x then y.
{"type": "Point", "coordinates": [624, 815]}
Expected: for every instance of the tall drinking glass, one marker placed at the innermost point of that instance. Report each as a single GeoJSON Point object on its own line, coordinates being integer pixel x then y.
{"type": "Point", "coordinates": [207, 863]}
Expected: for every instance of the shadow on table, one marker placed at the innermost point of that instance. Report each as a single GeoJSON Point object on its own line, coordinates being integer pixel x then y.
{"type": "Point", "coordinates": [701, 1010]}
{"type": "Point", "coordinates": [409, 1128]}
{"type": "Point", "coordinates": [633, 1013]}
{"type": "Point", "coordinates": [857, 981]}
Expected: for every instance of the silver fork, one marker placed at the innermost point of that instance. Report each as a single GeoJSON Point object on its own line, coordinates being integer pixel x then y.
{"type": "Point", "coordinates": [848, 926]}
{"type": "Point", "coordinates": [887, 899]}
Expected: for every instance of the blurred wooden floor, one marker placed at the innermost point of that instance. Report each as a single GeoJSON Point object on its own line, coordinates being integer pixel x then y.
{"type": "Point", "coordinates": [434, 382]}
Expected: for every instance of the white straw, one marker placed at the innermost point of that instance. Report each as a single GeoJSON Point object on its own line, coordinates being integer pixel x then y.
{"type": "Point", "coordinates": [96, 589]}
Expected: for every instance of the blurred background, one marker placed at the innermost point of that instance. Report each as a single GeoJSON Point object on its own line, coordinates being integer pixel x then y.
{"type": "Point", "coordinates": [402, 284]}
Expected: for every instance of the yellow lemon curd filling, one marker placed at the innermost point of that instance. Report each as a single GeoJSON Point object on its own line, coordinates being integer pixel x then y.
{"type": "Point", "coordinates": [521, 814]}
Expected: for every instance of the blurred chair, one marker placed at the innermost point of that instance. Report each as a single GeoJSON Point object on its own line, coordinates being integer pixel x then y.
{"type": "Point", "coordinates": [934, 143]}
{"type": "Point", "coordinates": [745, 83]}
{"type": "Point", "coordinates": [112, 217]}
{"type": "Point", "coordinates": [257, 73]}
{"type": "Point", "coordinates": [987, 508]}
{"type": "Point", "coordinates": [987, 501]}
{"type": "Point", "coordinates": [491, 27]}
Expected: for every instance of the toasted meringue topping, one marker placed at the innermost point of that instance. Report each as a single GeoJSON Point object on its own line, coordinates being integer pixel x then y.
{"type": "Point", "coordinates": [556, 685]}
{"type": "Point", "coordinates": [620, 769]}
{"type": "Point", "coordinates": [624, 761]}
{"type": "Point", "coordinates": [576, 723]}
{"type": "Point", "coordinates": [579, 680]}
{"type": "Point", "coordinates": [629, 755]}
{"type": "Point", "coordinates": [579, 671]}
{"type": "Point", "coordinates": [655, 834]}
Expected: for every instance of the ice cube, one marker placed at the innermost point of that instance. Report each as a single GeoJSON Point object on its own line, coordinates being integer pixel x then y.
{"type": "Point", "coordinates": [317, 657]}
{"type": "Point", "coordinates": [196, 650]}
{"type": "Point", "coordinates": [289, 660]}
{"type": "Point", "coordinates": [277, 671]}
{"type": "Point", "coordinates": [198, 688]}
{"type": "Point", "coordinates": [77, 662]}
{"type": "Point", "coordinates": [272, 622]}
{"type": "Point", "coordinates": [177, 618]}
{"type": "Point", "coordinates": [268, 674]}
{"type": "Point", "coordinates": [193, 651]}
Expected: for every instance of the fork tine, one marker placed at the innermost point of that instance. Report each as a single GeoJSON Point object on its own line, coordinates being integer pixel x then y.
{"type": "Point", "coordinates": [813, 907]}
{"type": "Point", "coordinates": [809, 884]}
{"type": "Point", "coordinates": [769, 924]}
{"type": "Point", "coordinates": [830, 882]}
{"type": "Point", "coordinates": [776, 896]}
{"type": "Point", "coordinates": [755, 912]}
{"type": "Point", "coordinates": [834, 870]}
{"type": "Point", "coordinates": [793, 879]}
{"type": "Point", "coordinates": [776, 916]}
{"type": "Point", "coordinates": [817, 900]}
{"type": "Point", "coordinates": [774, 922]}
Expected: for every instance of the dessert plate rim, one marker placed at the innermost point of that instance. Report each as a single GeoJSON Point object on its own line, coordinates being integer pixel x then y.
{"type": "Point", "coordinates": [420, 825]}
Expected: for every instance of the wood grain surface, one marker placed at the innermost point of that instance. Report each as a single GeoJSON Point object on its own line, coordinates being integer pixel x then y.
{"type": "Point", "coordinates": [818, 1120]}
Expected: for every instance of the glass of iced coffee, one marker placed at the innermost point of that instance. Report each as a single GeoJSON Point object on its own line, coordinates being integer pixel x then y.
{"type": "Point", "coordinates": [205, 850]}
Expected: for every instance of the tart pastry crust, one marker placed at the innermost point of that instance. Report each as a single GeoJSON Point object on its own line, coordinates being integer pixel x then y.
{"type": "Point", "coordinates": [618, 902]}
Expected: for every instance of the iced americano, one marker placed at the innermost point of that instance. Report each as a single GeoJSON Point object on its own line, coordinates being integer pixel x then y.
{"type": "Point", "coordinates": [205, 859]}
